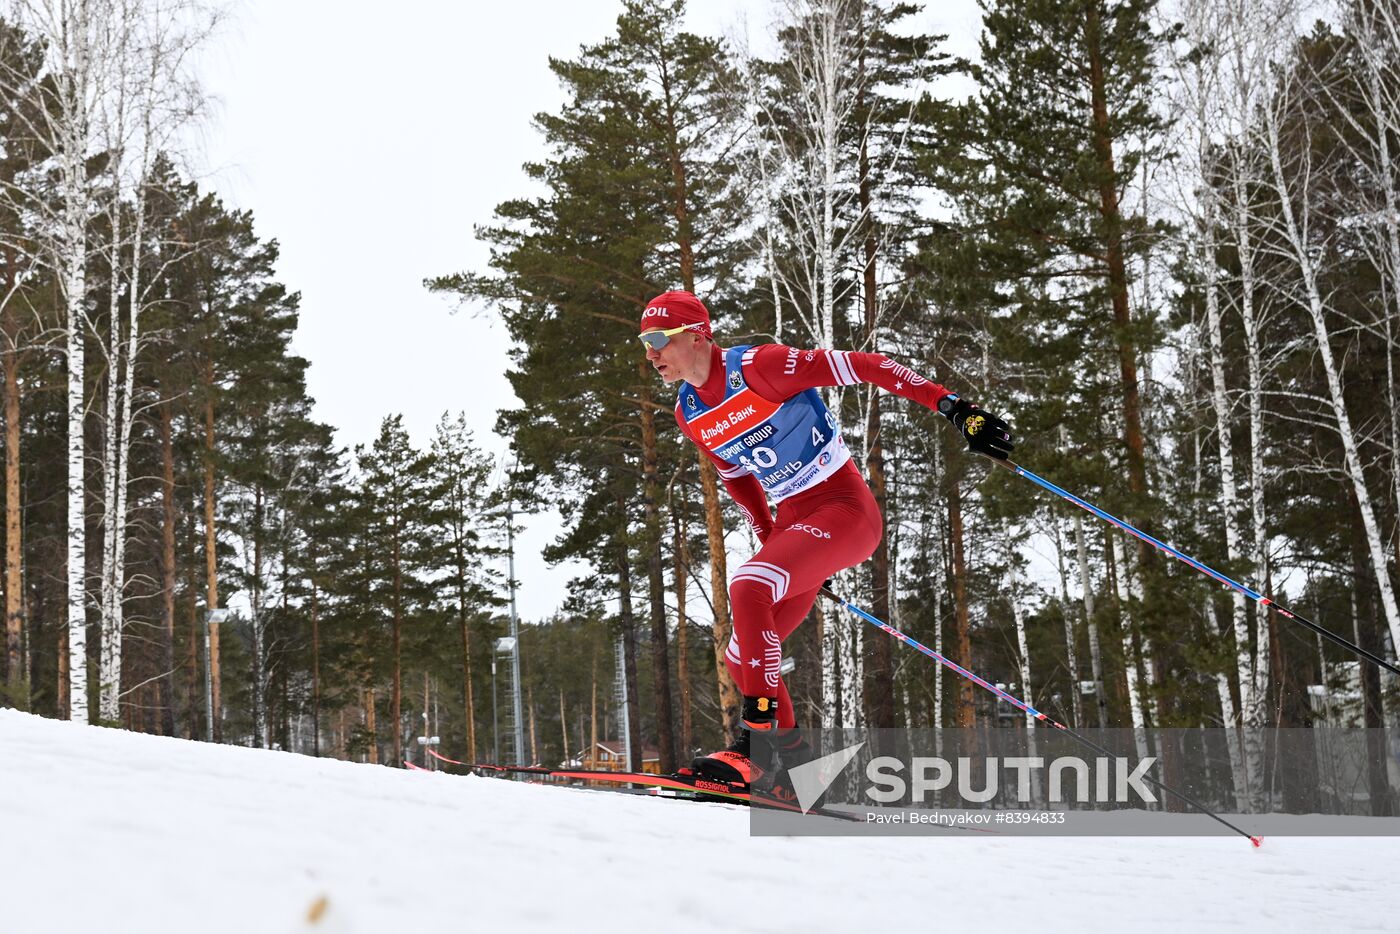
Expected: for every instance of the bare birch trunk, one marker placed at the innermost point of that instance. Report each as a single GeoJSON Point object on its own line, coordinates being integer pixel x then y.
{"type": "Point", "coordinates": [1130, 651]}
{"type": "Point", "coordinates": [939, 583]}
{"type": "Point", "coordinates": [75, 86]}
{"type": "Point", "coordinates": [1377, 30]}
{"type": "Point", "coordinates": [167, 564]}
{"type": "Point", "coordinates": [370, 727]}
{"type": "Point", "coordinates": [122, 471]}
{"type": "Point", "coordinates": [1071, 653]}
{"type": "Point", "coordinates": [76, 289]}
{"type": "Point", "coordinates": [1251, 35]}
{"type": "Point", "coordinates": [1295, 231]}
{"type": "Point", "coordinates": [879, 665]}
{"type": "Point", "coordinates": [966, 711]}
{"type": "Point", "coordinates": [828, 99]}
{"type": "Point", "coordinates": [682, 561]}
{"type": "Point", "coordinates": [1024, 659]}
{"type": "Point", "coordinates": [1250, 699]}
{"type": "Point", "coordinates": [1239, 779]}
{"type": "Point", "coordinates": [1254, 369]}
{"type": "Point", "coordinates": [1252, 676]}
{"type": "Point", "coordinates": [109, 625]}
{"type": "Point", "coordinates": [1086, 587]}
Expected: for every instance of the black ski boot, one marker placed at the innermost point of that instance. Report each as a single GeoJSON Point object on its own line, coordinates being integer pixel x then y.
{"type": "Point", "coordinates": [744, 762]}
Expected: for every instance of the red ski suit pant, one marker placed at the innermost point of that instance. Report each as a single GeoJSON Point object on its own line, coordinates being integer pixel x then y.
{"type": "Point", "coordinates": [831, 527]}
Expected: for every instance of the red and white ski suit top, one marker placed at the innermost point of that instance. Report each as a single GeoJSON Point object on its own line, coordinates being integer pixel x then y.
{"type": "Point", "coordinates": [818, 531]}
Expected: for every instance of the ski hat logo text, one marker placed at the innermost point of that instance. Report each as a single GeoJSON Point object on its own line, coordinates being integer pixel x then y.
{"type": "Point", "coordinates": [675, 309]}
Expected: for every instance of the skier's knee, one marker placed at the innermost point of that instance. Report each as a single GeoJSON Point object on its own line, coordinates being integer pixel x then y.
{"type": "Point", "coordinates": [758, 583]}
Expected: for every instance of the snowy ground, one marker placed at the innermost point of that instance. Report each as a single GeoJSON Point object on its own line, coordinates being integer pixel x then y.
{"type": "Point", "coordinates": [102, 830]}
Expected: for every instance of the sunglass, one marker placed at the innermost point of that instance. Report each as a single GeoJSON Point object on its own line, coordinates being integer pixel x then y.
{"type": "Point", "coordinates": [658, 339]}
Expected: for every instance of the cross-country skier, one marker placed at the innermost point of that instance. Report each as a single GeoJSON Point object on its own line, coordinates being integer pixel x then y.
{"type": "Point", "coordinates": [756, 412]}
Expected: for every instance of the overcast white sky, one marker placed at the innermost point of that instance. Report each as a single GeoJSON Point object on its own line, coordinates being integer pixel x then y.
{"type": "Point", "coordinates": [368, 142]}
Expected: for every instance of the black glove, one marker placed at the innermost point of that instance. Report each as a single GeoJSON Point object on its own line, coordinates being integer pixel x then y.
{"type": "Point", "coordinates": [984, 432]}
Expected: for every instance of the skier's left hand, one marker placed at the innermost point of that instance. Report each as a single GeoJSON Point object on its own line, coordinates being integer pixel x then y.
{"type": "Point", "coordinates": [984, 432]}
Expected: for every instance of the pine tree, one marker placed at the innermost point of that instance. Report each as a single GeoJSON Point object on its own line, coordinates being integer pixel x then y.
{"type": "Point", "coordinates": [234, 320]}
{"type": "Point", "coordinates": [1040, 267]}
{"type": "Point", "coordinates": [459, 481]}
{"type": "Point", "coordinates": [576, 267]}
{"type": "Point", "coordinates": [892, 134]}
{"type": "Point", "coordinates": [20, 65]}
{"type": "Point", "coordinates": [398, 502]}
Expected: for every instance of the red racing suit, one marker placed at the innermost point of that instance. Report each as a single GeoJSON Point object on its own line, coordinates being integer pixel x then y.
{"type": "Point", "coordinates": [818, 531]}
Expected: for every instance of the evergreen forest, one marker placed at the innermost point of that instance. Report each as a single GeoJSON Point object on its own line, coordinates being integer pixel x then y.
{"type": "Point", "coordinates": [1160, 237]}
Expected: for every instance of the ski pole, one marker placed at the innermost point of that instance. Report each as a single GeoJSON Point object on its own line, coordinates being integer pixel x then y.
{"type": "Point", "coordinates": [1192, 562]}
{"type": "Point", "coordinates": [1022, 705]}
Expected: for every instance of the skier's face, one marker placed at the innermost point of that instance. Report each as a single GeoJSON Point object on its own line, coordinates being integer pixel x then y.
{"type": "Point", "coordinates": [677, 358]}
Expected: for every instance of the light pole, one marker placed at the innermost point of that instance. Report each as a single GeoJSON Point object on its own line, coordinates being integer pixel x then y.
{"type": "Point", "coordinates": [502, 645]}
{"type": "Point", "coordinates": [516, 701]}
{"type": "Point", "coordinates": [212, 617]}
{"type": "Point", "coordinates": [514, 632]}
{"type": "Point", "coordinates": [495, 715]}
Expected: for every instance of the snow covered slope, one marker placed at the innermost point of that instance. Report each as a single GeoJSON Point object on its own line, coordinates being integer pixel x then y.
{"type": "Point", "coordinates": [102, 830]}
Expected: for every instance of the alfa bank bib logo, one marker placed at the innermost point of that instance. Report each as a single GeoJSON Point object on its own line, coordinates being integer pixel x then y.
{"type": "Point", "coordinates": [736, 415]}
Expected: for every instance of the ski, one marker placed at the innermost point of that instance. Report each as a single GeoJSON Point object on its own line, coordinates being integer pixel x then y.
{"type": "Point", "coordinates": [685, 784]}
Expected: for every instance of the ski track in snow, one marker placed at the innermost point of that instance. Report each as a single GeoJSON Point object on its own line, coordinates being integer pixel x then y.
{"type": "Point", "coordinates": [105, 830]}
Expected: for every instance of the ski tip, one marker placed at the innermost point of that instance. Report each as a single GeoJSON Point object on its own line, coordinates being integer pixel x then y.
{"type": "Point", "coordinates": [1257, 841]}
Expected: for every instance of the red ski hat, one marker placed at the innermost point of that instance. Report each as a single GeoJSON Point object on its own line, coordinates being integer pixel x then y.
{"type": "Point", "coordinates": [675, 309]}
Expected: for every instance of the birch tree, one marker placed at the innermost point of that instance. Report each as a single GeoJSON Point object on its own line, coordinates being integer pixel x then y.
{"type": "Point", "coordinates": [808, 117]}
{"type": "Point", "coordinates": [1368, 100]}
{"type": "Point", "coordinates": [74, 35]}
{"type": "Point", "coordinates": [1023, 655]}
{"type": "Point", "coordinates": [153, 98]}
{"type": "Point", "coordinates": [1288, 123]}
{"type": "Point", "coordinates": [1199, 89]}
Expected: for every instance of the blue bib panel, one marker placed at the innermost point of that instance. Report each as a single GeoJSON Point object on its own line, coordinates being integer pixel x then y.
{"type": "Point", "coordinates": [790, 446]}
